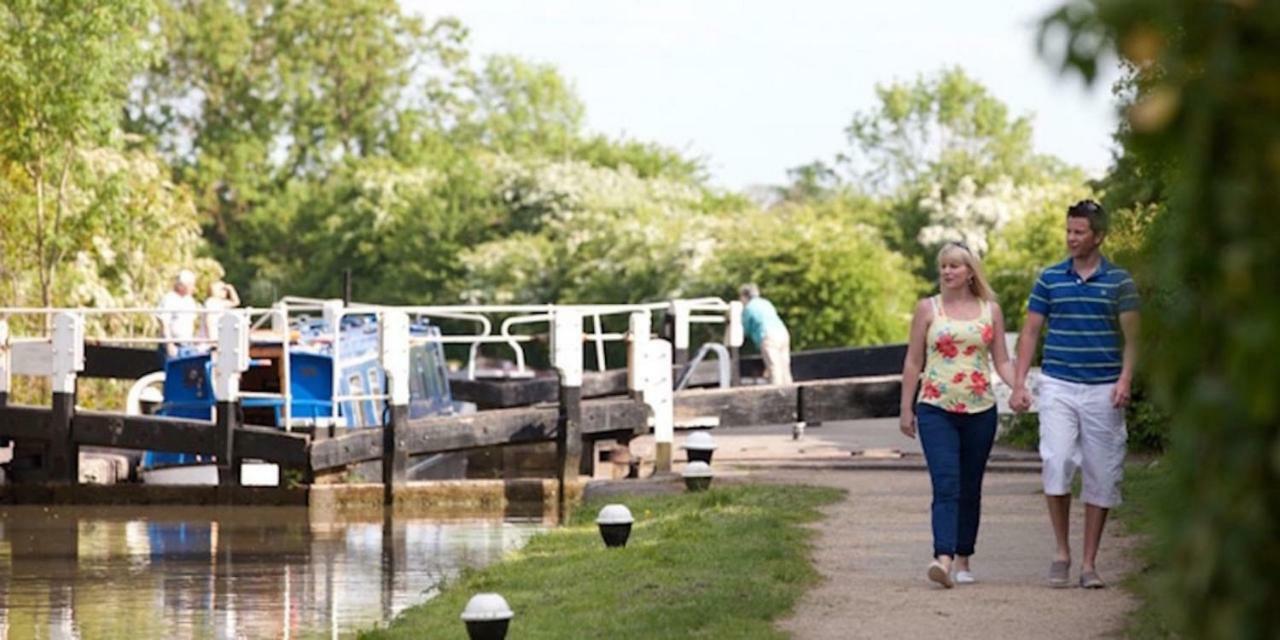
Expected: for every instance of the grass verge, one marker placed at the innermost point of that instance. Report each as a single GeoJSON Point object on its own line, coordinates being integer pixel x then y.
{"type": "Point", "coordinates": [1144, 488]}
{"type": "Point", "coordinates": [721, 564]}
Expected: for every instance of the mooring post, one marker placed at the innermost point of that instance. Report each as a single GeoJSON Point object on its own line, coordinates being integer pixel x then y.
{"type": "Point", "coordinates": [680, 331]}
{"type": "Point", "coordinates": [68, 360]}
{"type": "Point", "coordinates": [231, 360]}
{"type": "Point", "coordinates": [394, 338]}
{"type": "Point", "coordinates": [733, 338]}
{"type": "Point", "coordinates": [660, 396]}
{"type": "Point", "coordinates": [566, 357]}
{"type": "Point", "coordinates": [649, 378]}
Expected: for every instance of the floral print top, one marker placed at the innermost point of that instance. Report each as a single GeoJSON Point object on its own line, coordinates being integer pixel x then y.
{"type": "Point", "coordinates": [957, 373]}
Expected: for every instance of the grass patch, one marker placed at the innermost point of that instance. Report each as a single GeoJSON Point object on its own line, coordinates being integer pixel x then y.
{"type": "Point", "coordinates": [1144, 487]}
{"type": "Point", "coordinates": [719, 564]}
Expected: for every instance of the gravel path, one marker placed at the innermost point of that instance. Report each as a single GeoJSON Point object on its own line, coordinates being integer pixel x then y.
{"type": "Point", "coordinates": [873, 547]}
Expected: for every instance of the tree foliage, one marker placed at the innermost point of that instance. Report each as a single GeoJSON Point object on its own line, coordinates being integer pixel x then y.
{"type": "Point", "coordinates": [833, 280]}
{"type": "Point", "coordinates": [1207, 104]}
{"type": "Point", "coordinates": [64, 69]}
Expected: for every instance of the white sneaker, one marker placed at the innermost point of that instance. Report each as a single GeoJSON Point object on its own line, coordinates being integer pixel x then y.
{"type": "Point", "coordinates": [964, 577]}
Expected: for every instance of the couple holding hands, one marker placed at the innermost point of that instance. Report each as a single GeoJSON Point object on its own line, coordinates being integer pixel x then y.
{"type": "Point", "coordinates": [1090, 307]}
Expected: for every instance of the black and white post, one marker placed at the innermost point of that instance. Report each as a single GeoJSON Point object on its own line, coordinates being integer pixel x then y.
{"type": "Point", "coordinates": [63, 456]}
{"type": "Point", "coordinates": [231, 360]}
{"type": "Point", "coordinates": [566, 357]}
{"type": "Point", "coordinates": [649, 377]}
{"type": "Point", "coordinates": [394, 337]}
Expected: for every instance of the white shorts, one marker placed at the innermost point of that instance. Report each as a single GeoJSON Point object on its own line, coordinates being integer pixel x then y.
{"type": "Point", "coordinates": [1079, 427]}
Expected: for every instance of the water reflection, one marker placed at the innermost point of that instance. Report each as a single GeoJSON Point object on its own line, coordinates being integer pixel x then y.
{"type": "Point", "coordinates": [225, 573]}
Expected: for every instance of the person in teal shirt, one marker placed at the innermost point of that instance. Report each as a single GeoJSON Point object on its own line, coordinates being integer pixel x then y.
{"type": "Point", "coordinates": [761, 324]}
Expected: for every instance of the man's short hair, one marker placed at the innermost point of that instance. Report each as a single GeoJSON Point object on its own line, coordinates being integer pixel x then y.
{"type": "Point", "coordinates": [1091, 211]}
{"type": "Point", "coordinates": [185, 277]}
{"type": "Point", "coordinates": [749, 290]}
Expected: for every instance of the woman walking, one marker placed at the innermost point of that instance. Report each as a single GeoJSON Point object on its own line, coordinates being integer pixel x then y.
{"type": "Point", "coordinates": [952, 335]}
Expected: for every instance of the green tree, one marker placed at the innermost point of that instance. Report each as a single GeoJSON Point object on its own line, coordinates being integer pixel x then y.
{"type": "Point", "coordinates": [521, 107]}
{"type": "Point", "coordinates": [942, 128]}
{"type": "Point", "coordinates": [590, 234]}
{"type": "Point", "coordinates": [833, 280]}
{"type": "Point", "coordinates": [256, 98]}
{"type": "Point", "coordinates": [64, 71]}
{"type": "Point", "coordinates": [1207, 103]}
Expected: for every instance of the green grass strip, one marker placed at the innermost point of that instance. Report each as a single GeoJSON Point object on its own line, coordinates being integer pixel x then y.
{"type": "Point", "coordinates": [720, 564]}
{"type": "Point", "coordinates": [1145, 486]}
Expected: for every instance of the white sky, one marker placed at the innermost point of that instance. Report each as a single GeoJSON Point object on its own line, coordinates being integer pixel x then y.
{"type": "Point", "coordinates": [757, 87]}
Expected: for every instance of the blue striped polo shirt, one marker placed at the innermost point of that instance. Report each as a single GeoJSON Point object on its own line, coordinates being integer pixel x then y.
{"type": "Point", "coordinates": [1085, 343]}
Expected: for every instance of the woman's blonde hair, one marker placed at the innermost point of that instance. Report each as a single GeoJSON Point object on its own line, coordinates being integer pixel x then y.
{"type": "Point", "coordinates": [978, 281]}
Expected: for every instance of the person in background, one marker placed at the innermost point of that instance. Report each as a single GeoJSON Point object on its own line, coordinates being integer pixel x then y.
{"type": "Point", "coordinates": [178, 310]}
{"type": "Point", "coordinates": [952, 336]}
{"type": "Point", "coordinates": [222, 296]}
{"type": "Point", "coordinates": [761, 324]}
{"type": "Point", "coordinates": [1090, 351]}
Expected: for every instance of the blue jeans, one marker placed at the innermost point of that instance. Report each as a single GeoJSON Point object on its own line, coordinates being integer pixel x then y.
{"type": "Point", "coordinates": [956, 448]}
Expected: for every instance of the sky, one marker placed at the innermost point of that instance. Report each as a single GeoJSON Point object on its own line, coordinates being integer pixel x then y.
{"type": "Point", "coordinates": [756, 86]}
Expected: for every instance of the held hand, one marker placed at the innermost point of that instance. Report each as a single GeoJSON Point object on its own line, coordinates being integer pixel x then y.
{"type": "Point", "coordinates": [1020, 401]}
{"type": "Point", "coordinates": [1120, 394]}
{"type": "Point", "coordinates": [907, 425]}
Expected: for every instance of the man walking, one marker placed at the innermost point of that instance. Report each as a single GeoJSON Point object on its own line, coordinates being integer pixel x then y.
{"type": "Point", "coordinates": [760, 323]}
{"type": "Point", "coordinates": [1091, 307]}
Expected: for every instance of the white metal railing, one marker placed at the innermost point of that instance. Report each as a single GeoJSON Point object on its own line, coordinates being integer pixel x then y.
{"type": "Point", "coordinates": [281, 316]}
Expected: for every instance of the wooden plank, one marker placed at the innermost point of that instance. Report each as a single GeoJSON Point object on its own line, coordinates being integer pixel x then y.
{"type": "Point", "coordinates": [483, 429]}
{"type": "Point", "coordinates": [346, 448]}
{"type": "Point", "coordinates": [502, 394]}
{"type": "Point", "coordinates": [741, 406]}
{"type": "Point", "coordinates": [156, 433]}
{"type": "Point", "coordinates": [124, 363]}
{"type": "Point", "coordinates": [22, 422]}
{"type": "Point", "coordinates": [395, 458]}
{"type": "Point", "coordinates": [272, 445]}
{"type": "Point", "coordinates": [827, 364]}
{"type": "Point", "coordinates": [62, 458]}
{"type": "Point", "coordinates": [506, 394]}
{"type": "Point", "coordinates": [568, 445]}
{"type": "Point", "coordinates": [610, 415]}
{"type": "Point", "coordinates": [850, 399]}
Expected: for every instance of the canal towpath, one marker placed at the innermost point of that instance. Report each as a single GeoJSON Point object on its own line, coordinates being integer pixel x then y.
{"type": "Point", "coordinates": [872, 547]}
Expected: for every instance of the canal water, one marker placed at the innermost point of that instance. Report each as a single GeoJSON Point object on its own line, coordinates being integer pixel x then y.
{"type": "Point", "coordinates": [233, 572]}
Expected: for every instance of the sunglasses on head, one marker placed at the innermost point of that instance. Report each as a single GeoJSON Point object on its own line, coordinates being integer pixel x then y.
{"type": "Point", "coordinates": [1088, 207]}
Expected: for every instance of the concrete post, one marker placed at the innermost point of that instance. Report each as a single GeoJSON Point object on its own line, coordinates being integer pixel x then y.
{"type": "Point", "coordinates": [566, 357]}
{"type": "Point", "coordinates": [63, 459]}
{"type": "Point", "coordinates": [394, 338]}
{"type": "Point", "coordinates": [231, 360]}
{"type": "Point", "coordinates": [733, 338]}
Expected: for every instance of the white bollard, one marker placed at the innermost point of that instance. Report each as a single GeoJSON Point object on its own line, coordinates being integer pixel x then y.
{"type": "Point", "coordinates": [659, 396]}
{"type": "Point", "coordinates": [232, 358]}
